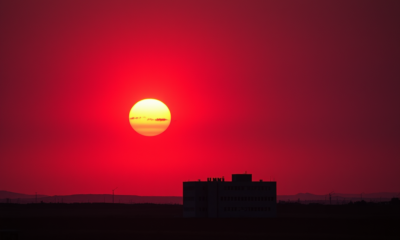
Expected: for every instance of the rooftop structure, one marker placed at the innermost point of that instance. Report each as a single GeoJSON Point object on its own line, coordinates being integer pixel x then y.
{"type": "Point", "coordinates": [240, 198]}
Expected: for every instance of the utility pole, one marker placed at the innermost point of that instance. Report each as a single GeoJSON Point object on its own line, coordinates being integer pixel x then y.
{"type": "Point", "coordinates": [113, 194]}
{"type": "Point", "coordinates": [330, 197]}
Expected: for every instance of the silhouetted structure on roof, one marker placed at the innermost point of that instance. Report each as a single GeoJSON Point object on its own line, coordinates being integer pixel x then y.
{"type": "Point", "coordinates": [240, 198]}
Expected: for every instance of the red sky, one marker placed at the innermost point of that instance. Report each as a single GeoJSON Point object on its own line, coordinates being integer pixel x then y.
{"type": "Point", "coordinates": [305, 92]}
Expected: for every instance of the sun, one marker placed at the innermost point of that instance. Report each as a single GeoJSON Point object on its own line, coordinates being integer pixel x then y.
{"type": "Point", "coordinates": [149, 117]}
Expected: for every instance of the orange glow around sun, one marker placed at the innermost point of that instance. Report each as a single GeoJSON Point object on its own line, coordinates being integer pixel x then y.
{"type": "Point", "coordinates": [149, 117]}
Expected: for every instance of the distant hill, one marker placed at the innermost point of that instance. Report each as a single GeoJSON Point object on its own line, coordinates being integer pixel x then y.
{"type": "Point", "coordinates": [84, 198]}
{"type": "Point", "coordinates": [336, 198]}
{"type": "Point", "coordinates": [12, 195]}
{"type": "Point", "coordinates": [108, 198]}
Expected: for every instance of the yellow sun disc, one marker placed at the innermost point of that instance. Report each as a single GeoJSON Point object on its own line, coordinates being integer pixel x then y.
{"type": "Point", "coordinates": [149, 117]}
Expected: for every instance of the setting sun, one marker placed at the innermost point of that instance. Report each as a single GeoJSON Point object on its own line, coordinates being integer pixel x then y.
{"type": "Point", "coordinates": [149, 117]}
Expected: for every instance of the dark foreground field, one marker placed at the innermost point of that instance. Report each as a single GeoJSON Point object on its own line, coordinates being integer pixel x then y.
{"type": "Point", "coordinates": [149, 221]}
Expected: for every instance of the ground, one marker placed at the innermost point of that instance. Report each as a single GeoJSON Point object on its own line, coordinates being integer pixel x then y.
{"type": "Point", "coordinates": [151, 221]}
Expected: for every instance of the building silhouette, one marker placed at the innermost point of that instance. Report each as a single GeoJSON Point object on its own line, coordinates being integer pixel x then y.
{"type": "Point", "coordinates": [240, 198]}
